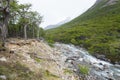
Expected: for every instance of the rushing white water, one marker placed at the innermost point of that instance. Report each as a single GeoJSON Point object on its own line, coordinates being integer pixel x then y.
{"type": "Point", "coordinates": [102, 69]}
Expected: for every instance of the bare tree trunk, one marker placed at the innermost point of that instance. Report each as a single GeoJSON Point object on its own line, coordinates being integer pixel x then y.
{"type": "Point", "coordinates": [25, 32]}
{"type": "Point", "coordinates": [3, 25]}
{"type": "Point", "coordinates": [4, 33]}
{"type": "Point", "coordinates": [33, 33]}
{"type": "Point", "coordinates": [0, 29]}
{"type": "Point", "coordinates": [4, 30]}
{"type": "Point", "coordinates": [38, 31]}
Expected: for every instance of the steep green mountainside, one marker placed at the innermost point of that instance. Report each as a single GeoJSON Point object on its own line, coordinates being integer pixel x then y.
{"type": "Point", "coordinates": [97, 30]}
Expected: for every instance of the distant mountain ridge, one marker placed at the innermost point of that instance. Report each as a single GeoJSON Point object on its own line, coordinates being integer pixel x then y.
{"type": "Point", "coordinates": [58, 24]}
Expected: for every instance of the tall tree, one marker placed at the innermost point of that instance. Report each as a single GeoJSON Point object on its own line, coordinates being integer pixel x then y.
{"type": "Point", "coordinates": [5, 14]}
{"type": "Point", "coordinates": [39, 20]}
{"type": "Point", "coordinates": [25, 17]}
{"type": "Point", "coordinates": [30, 18]}
{"type": "Point", "coordinates": [18, 20]}
{"type": "Point", "coordinates": [36, 20]}
{"type": "Point", "coordinates": [13, 28]}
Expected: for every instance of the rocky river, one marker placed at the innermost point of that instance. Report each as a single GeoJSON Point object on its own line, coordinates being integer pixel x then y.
{"type": "Point", "coordinates": [73, 56]}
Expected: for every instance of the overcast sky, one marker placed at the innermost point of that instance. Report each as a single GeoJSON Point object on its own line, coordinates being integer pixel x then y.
{"type": "Point", "coordinates": [54, 11]}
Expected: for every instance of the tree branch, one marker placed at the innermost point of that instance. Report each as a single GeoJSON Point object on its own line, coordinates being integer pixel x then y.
{"type": "Point", "coordinates": [6, 6]}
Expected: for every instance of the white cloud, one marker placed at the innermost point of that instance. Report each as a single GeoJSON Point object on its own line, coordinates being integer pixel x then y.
{"type": "Point", "coordinates": [55, 11]}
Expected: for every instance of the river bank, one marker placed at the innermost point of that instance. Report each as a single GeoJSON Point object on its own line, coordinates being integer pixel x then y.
{"type": "Point", "coordinates": [32, 59]}
{"type": "Point", "coordinates": [98, 69]}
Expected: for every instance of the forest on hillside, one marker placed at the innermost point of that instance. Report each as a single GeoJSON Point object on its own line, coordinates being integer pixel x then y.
{"type": "Point", "coordinates": [19, 21]}
{"type": "Point", "coordinates": [97, 30]}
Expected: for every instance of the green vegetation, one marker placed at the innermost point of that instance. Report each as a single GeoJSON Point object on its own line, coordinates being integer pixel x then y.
{"type": "Point", "coordinates": [50, 42]}
{"type": "Point", "coordinates": [38, 60]}
{"type": "Point", "coordinates": [19, 20]}
{"type": "Point", "coordinates": [49, 76]}
{"type": "Point", "coordinates": [97, 30]}
{"type": "Point", "coordinates": [83, 69]}
{"type": "Point", "coordinates": [67, 71]}
{"type": "Point", "coordinates": [18, 72]}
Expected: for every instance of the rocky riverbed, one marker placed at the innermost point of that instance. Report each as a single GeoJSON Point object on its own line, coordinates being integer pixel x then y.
{"type": "Point", "coordinates": [36, 60]}
{"type": "Point", "coordinates": [73, 56]}
{"type": "Point", "coordinates": [32, 60]}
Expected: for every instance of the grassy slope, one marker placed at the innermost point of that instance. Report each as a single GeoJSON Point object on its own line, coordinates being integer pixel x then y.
{"type": "Point", "coordinates": [98, 30]}
{"type": "Point", "coordinates": [19, 67]}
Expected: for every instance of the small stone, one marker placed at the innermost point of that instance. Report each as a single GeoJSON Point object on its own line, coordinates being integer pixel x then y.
{"type": "Point", "coordinates": [3, 77]}
{"type": "Point", "coordinates": [81, 59]}
{"type": "Point", "coordinates": [70, 61]}
{"type": "Point", "coordinates": [117, 65]}
{"type": "Point", "coordinates": [100, 64]}
{"type": "Point", "coordinates": [105, 66]}
{"type": "Point", "coordinates": [75, 70]}
{"type": "Point", "coordinates": [3, 59]}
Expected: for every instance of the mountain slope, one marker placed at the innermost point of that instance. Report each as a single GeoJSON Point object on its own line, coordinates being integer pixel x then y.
{"type": "Point", "coordinates": [58, 24]}
{"type": "Point", "coordinates": [97, 30]}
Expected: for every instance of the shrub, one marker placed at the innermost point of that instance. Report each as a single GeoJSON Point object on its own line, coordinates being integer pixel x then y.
{"type": "Point", "coordinates": [83, 69]}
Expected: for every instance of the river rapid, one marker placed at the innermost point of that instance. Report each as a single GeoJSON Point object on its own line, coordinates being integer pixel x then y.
{"type": "Point", "coordinates": [73, 56]}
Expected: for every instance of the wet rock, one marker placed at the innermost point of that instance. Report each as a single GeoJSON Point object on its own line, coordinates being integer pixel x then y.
{"type": "Point", "coordinates": [105, 67]}
{"type": "Point", "coordinates": [100, 64]}
{"type": "Point", "coordinates": [99, 56]}
{"type": "Point", "coordinates": [90, 77]}
{"type": "Point", "coordinates": [102, 57]}
{"type": "Point", "coordinates": [72, 58]}
{"type": "Point", "coordinates": [108, 75]}
{"type": "Point", "coordinates": [117, 65]}
{"type": "Point", "coordinates": [81, 59]}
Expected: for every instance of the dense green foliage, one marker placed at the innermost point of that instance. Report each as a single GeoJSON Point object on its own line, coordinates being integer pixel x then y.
{"type": "Point", "coordinates": [22, 16]}
{"type": "Point", "coordinates": [97, 30]}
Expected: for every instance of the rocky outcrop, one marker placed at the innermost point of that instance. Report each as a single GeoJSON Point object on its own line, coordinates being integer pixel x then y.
{"type": "Point", "coordinates": [110, 2]}
{"type": "Point", "coordinates": [97, 1]}
{"type": "Point", "coordinates": [107, 3]}
{"type": "Point", "coordinates": [38, 57]}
